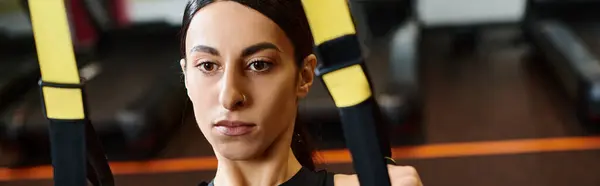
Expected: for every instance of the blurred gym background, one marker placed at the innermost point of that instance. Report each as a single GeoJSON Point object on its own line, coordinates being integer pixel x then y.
{"type": "Point", "coordinates": [475, 92]}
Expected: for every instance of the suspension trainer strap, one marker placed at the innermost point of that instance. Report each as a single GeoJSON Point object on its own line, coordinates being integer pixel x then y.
{"type": "Point", "coordinates": [342, 69]}
{"type": "Point", "coordinates": [62, 95]}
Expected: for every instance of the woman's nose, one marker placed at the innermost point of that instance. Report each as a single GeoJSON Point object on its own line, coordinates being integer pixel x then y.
{"type": "Point", "coordinates": [232, 96]}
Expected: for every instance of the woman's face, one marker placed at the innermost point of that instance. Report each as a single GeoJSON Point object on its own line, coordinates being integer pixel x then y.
{"type": "Point", "coordinates": [242, 79]}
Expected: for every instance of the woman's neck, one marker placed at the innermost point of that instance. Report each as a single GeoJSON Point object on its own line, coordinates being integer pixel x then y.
{"type": "Point", "coordinates": [276, 166]}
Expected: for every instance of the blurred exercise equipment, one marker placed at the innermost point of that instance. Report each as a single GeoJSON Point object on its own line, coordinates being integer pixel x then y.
{"type": "Point", "coordinates": [19, 72]}
{"type": "Point", "coordinates": [133, 104]}
{"type": "Point", "coordinates": [135, 101]}
{"type": "Point", "coordinates": [17, 76]}
{"type": "Point", "coordinates": [18, 69]}
{"type": "Point", "coordinates": [13, 21]}
{"type": "Point", "coordinates": [566, 34]}
{"type": "Point", "coordinates": [466, 18]}
{"type": "Point", "coordinates": [457, 13]}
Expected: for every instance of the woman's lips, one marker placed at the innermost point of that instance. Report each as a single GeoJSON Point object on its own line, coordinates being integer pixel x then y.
{"type": "Point", "coordinates": [234, 128]}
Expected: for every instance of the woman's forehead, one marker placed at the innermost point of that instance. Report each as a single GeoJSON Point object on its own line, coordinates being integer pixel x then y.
{"type": "Point", "coordinates": [230, 25]}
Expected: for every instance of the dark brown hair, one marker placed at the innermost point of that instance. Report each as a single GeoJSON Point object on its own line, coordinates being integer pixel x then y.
{"type": "Point", "coordinates": [290, 17]}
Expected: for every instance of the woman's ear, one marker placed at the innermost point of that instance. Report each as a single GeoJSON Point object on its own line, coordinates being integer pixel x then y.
{"type": "Point", "coordinates": [307, 75]}
{"type": "Point", "coordinates": [183, 65]}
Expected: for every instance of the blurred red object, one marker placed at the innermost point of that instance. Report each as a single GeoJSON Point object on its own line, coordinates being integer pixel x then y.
{"type": "Point", "coordinates": [85, 35]}
{"type": "Point", "coordinates": [120, 13]}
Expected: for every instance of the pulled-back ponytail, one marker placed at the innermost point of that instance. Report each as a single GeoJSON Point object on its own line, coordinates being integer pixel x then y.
{"type": "Point", "coordinates": [302, 145]}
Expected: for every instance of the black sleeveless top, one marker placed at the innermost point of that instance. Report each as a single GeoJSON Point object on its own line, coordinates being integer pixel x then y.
{"type": "Point", "coordinates": [304, 177]}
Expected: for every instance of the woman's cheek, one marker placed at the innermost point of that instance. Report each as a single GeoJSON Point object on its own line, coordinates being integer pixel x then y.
{"type": "Point", "coordinates": [199, 87]}
{"type": "Point", "coordinates": [204, 98]}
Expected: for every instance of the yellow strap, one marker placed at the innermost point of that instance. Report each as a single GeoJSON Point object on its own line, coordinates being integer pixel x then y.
{"type": "Point", "coordinates": [56, 58]}
{"type": "Point", "coordinates": [328, 19]}
{"type": "Point", "coordinates": [348, 86]}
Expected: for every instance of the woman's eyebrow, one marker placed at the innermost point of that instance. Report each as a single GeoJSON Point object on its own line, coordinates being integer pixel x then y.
{"type": "Point", "coordinates": [258, 47]}
{"type": "Point", "coordinates": [205, 49]}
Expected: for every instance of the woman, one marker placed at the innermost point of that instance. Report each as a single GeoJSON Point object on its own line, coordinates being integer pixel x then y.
{"type": "Point", "coordinates": [246, 64]}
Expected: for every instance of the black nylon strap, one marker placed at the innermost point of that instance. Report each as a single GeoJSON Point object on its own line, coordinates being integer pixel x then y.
{"type": "Point", "coordinates": [363, 126]}
{"type": "Point", "coordinates": [338, 53]}
{"type": "Point", "coordinates": [101, 174]}
{"type": "Point", "coordinates": [67, 146]}
{"type": "Point", "coordinates": [97, 161]}
{"type": "Point", "coordinates": [360, 131]}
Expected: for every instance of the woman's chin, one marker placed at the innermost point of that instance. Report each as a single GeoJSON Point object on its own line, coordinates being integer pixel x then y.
{"type": "Point", "coordinates": [238, 151]}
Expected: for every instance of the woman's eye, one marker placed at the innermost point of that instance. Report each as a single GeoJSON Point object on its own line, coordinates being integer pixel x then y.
{"type": "Point", "coordinates": [208, 66]}
{"type": "Point", "coordinates": [259, 66]}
